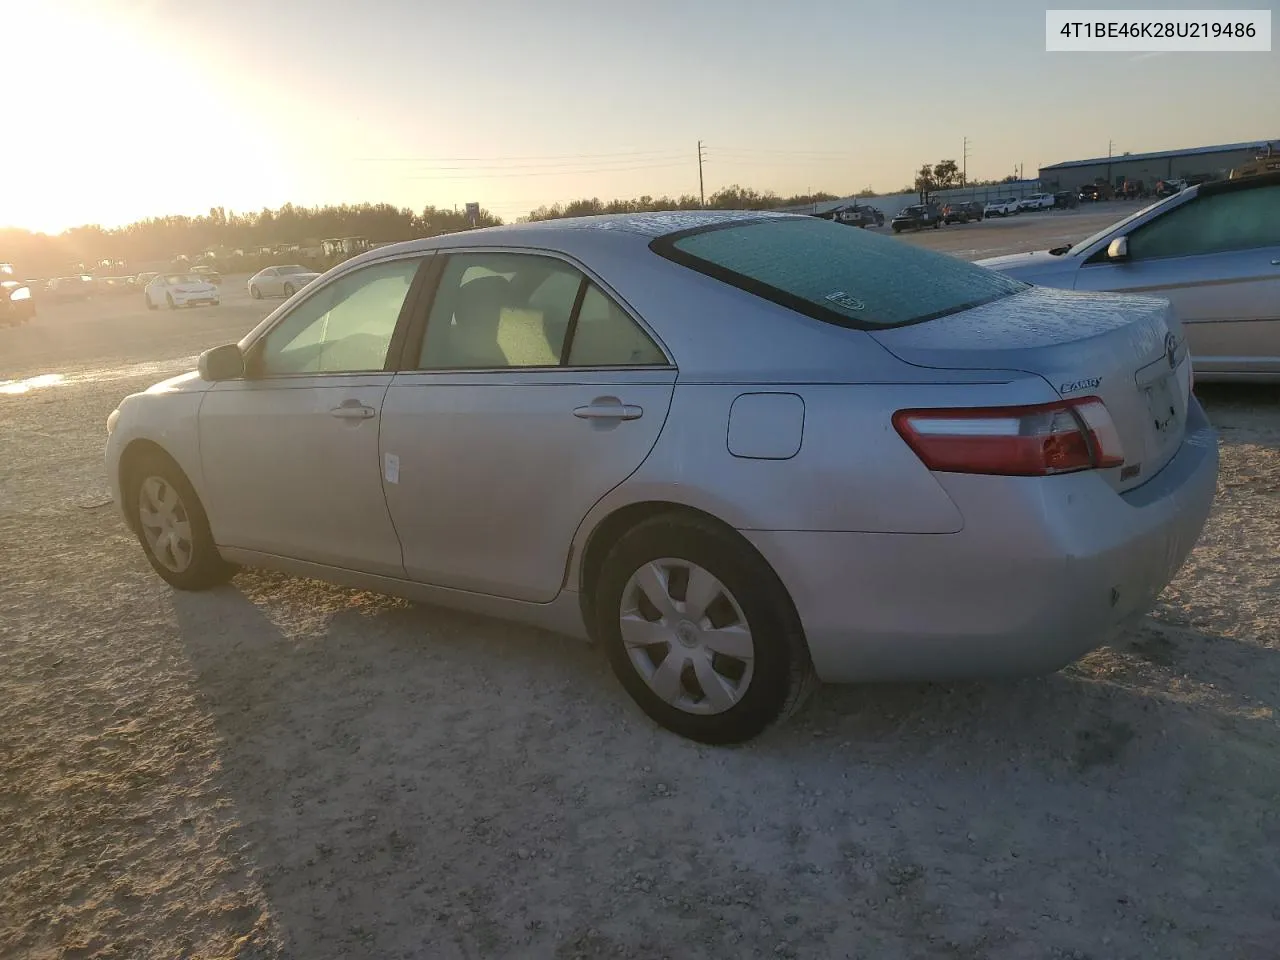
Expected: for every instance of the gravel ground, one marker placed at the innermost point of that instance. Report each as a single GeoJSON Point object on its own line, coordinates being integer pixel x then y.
{"type": "Point", "coordinates": [280, 768]}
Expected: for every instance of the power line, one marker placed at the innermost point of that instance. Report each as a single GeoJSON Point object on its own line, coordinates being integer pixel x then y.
{"type": "Point", "coordinates": [561, 156]}
{"type": "Point", "coordinates": [548, 173]}
{"type": "Point", "coordinates": [603, 164]}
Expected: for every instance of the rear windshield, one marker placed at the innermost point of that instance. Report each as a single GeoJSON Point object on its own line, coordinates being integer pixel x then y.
{"type": "Point", "coordinates": [827, 271]}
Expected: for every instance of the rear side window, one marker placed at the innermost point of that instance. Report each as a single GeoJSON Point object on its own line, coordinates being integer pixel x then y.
{"type": "Point", "coordinates": [827, 271]}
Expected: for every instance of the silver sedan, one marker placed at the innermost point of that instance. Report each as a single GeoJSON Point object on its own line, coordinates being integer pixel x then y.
{"type": "Point", "coordinates": [281, 281]}
{"type": "Point", "coordinates": [1213, 250]}
{"type": "Point", "coordinates": [741, 451]}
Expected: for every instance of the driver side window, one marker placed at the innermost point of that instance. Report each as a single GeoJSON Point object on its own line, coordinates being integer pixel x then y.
{"type": "Point", "coordinates": [1217, 223]}
{"type": "Point", "coordinates": [346, 327]}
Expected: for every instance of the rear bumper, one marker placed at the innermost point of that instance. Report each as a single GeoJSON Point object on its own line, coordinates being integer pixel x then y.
{"type": "Point", "coordinates": [1045, 570]}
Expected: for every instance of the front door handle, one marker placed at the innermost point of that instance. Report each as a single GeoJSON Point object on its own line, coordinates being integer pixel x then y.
{"type": "Point", "coordinates": [352, 410]}
{"type": "Point", "coordinates": [608, 409]}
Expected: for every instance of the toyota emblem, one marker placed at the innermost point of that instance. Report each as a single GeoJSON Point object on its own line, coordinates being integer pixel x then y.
{"type": "Point", "coordinates": [1171, 349]}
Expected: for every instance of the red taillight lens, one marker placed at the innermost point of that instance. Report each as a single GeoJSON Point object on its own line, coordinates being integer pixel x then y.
{"type": "Point", "coordinates": [1030, 441]}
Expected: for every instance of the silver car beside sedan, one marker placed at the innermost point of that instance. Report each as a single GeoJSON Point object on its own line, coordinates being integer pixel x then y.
{"type": "Point", "coordinates": [742, 451]}
{"type": "Point", "coordinates": [1213, 250]}
{"type": "Point", "coordinates": [280, 281]}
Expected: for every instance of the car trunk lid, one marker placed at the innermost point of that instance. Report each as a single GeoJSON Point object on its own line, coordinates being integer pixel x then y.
{"type": "Point", "coordinates": [1128, 351]}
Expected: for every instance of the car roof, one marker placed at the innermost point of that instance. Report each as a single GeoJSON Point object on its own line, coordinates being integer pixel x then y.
{"type": "Point", "coordinates": [573, 235]}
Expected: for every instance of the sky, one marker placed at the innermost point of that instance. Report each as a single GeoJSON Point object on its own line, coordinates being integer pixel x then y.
{"type": "Point", "coordinates": [136, 108]}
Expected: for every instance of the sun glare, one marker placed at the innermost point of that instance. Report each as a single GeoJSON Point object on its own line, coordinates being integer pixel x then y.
{"type": "Point", "coordinates": [117, 121]}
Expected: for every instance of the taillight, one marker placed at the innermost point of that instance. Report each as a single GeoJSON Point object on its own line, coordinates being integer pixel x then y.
{"type": "Point", "coordinates": [1030, 441]}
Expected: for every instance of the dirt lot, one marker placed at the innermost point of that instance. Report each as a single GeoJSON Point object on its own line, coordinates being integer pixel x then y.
{"type": "Point", "coordinates": [284, 769]}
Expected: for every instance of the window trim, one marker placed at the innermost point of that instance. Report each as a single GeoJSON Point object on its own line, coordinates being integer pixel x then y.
{"type": "Point", "coordinates": [417, 334]}
{"type": "Point", "coordinates": [665, 247]}
{"type": "Point", "coordinates": [253, 350]}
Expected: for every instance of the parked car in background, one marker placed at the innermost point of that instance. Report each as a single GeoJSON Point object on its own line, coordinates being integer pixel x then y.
{"type": "Point", "coordinates": [858, 215]}
{"type": "Point", "coordinates": [206, 273]}
{"type": "Point", "coordinates": [1065, 199]}
{"type": "Point", "coordinates": [1212, 250]}
{"type": "Point", "coordinates": [686, 435]}
{"type": "Point", "coordinates": [1093, 192]}
{"type": "Point", "coordinates": [962, 211]}
{"type": "Point", "coordinates": [181, 290]}
{"type": "Point", "coordinates": [142, 279]}
{"type": "Point", "coordinates": [117, 285]}
{"type": "Point", "coordinates": [917, 217]}
{"type": "Point", "coordinates": [1000, 208]}
{"type": "Point", "coordinates": [281, 281]}
{"type": "Point", "coordinates": [1037, 201]}
{"type": "Point", "coordinates": [16, 303]}
{"type": "Point", "coordinates": [1167, 188]}
{"type": "Point", "coordinates": [71, 288]}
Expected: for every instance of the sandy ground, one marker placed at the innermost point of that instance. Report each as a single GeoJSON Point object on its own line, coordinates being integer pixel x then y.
{"type": "Point", "coordinates": [284, 769]}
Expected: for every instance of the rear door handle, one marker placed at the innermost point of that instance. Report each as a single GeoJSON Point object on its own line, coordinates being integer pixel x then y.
{"type": "Point", "coordinates": [352, 410]}
{"type": "Point", "coordinates": [604, 410]}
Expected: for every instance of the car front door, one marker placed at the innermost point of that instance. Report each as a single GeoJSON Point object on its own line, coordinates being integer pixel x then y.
{"type": "Point", "coordinates": [533, 394]}
{"type": "Point", "coordinates": [1217, 259]}
{"type": "Point", "coordinates": [290, 451]}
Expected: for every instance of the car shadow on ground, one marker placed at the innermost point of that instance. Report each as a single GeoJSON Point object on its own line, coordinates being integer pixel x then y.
{"type": "Point", "coordinates": [417, 782]}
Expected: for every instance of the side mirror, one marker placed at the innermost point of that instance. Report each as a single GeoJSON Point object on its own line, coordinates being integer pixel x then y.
{"type": "Point", "coordinates": [222, 363]}
{"type": "Point", "coordinates": [1118, 249]}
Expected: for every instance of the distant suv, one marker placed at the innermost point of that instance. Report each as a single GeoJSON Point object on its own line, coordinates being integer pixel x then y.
{"type": "Point", "coordinates": [963, 211]}
{"type": "Point", "coordinates": [1000, 208]}
{"type": "Point", "coordinates": [917, 217]}
{"type": "Point", "coordinates": [858, 215]}
{"type": "Point", "coordinates": [1037, 201]}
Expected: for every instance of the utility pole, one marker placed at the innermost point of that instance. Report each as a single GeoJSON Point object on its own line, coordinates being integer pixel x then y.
{"type": "Point", "coordinates": [964, 164]}
{"type": "Point", "coordinates": [702, 193]}
{"type": "Point", "coordinates": [1110, 146]}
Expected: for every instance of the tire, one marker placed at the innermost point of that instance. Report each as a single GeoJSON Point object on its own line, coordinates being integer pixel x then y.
{"type": "Point", "coordinates": [897, 229]}
{"type": "Point", "coordinates": [288, 290]}
{"type": "Point", "coordinates": [169, 300]}
{"type": "Point", "coordinates": [255, 292]}
{"type": "Point", "coordinates": [173, 507]}
{"type": "Point", "coordinates": [769, 684]}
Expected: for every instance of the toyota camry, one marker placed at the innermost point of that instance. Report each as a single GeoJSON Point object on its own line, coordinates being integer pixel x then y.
{"type": "Point", "coordinates": [741, 451]}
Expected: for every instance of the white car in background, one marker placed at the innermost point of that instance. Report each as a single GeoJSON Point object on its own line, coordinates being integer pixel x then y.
{"type": "Point", "coordinates": [1037, 201]}
{"type": "Point", "coordinates": [180, 290]}
{"type": "Point", "coordinates": [1000, 208]}
{"type": "Point", "coordinates": [282, 281]}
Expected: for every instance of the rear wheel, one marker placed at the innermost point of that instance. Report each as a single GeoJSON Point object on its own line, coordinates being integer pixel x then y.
{"type": "Point", "coordinates": [700, 631]}
{"type": "Point", "coordinates": [288, 289]}
{"type": "Point", "coordinates": [172, 527]}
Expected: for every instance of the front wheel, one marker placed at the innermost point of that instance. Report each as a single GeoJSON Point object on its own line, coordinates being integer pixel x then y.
{"type": "Point", "coordinates": [255, 292]}
{"type": "Point", "coordinates": [700, 631]}
{"type": "Point", "coordinates": [172, 527]}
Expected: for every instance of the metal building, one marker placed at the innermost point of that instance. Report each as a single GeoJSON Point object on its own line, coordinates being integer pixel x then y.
{"type": "Point", "coordinates": [1210, 163]}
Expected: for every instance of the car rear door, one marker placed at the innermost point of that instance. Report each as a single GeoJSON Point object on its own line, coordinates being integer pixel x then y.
{"type": "Point", "coordinates": [530, 394]}
{"type": "Point", "coordinates": [289, 453]}
{"type": "Point", "coordinates": [1217, 259]}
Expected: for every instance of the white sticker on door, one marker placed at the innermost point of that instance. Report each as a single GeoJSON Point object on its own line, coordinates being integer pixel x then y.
{"type": "Point", "coordinates": [391, 468]}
